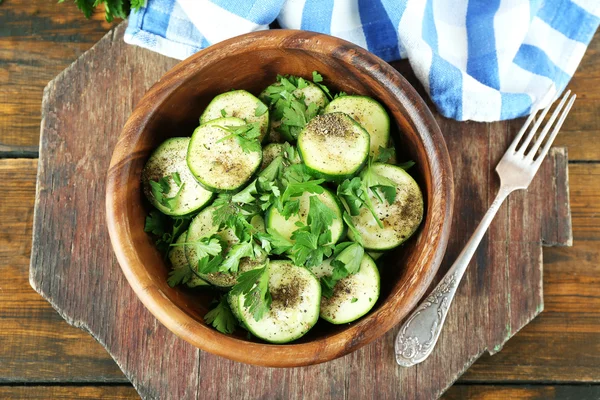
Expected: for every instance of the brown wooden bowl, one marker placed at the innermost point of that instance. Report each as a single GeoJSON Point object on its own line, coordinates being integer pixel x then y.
{"type": "Point", "coordinates": [172, 108]}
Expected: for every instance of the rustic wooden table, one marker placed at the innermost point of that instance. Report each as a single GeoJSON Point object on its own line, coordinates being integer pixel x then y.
{"type": "Point", "coordinates": [41, 356]}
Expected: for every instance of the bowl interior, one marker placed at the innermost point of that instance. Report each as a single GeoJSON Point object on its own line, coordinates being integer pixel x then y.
{"type": "Point", "coordinates": [173, 107]}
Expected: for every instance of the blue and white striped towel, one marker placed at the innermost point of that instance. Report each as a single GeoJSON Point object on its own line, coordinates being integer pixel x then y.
{"type": "Point", "coordinates": [483, 60]}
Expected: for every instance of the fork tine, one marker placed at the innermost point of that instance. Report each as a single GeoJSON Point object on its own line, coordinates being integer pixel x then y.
{"type": "Point", "coordinates": [539, 121]}
{"type": "Point", "coordinates": [547, 127]}
{"type": "Point", "coordinates": [517, 138]}
{"type": "Point", "coordinates": [546, 147]}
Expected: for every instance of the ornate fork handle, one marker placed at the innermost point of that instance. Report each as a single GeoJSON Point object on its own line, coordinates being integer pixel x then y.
{"type": "Point", "coordinates": [419, 333]}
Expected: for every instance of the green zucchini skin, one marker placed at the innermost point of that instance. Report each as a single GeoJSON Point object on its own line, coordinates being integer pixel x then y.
{"type": "Point", "coordinates": [400, 219]}
{"type": "Point", "coordinates": [369, 113]}
{"type": "Point", "coordinates": [168, 158]}
{"type": "Point", "coordinates": [296, 294]}
{"type": "Point", "coordinates": [240, 104]}
{"type": "Point", "coordinates": [220, 165]}
{"type": "Point", "coordinates": [333, 146]}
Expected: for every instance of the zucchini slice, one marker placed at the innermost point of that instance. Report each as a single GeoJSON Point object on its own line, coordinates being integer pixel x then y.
{"type": "Point", "coordinates": [312, 94]}
{"type": "Point", "coordinates": [167, 159]}
{"type": "Point", "coordinates": [202, 226]}
{"type": "Point", "coordinates": [296, 295]}
{"type": "Point", "coordinates": [221, 165]}
{"type": "Point", "coordinates": [179, 261]}
{"type": "Point", "coordinates": [275, 221]}
{"type": "Point", "coordinates": [270, 151]}
{"type": "Point", "coordinates": [239, 104]}
{"type": "Point", "coordinates": [353, 296]}
{"type": "Point", "coordinates": [369, 114]}
{"type": "Point", "coordinates": [400, 219]}
{"type": "Point", "coordinates": [334, 146]}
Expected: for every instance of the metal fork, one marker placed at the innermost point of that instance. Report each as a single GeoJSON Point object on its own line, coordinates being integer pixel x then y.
{"type": "Point", "coordinates": [419, 333]}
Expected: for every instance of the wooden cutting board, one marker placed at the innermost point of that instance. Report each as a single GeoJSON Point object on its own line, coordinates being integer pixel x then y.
{"type": "Point", "coordinates": [73, 266]}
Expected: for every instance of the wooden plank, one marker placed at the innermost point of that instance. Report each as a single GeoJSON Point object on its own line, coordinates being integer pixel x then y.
{"type": "Point", "coordinates": [35, 342]}
{"type": "Point", "coordinates": [68, 392]}
{"type": "Point", "coordinates": [541, 392]}
{"type": "Point", "coordinates": [39, 39]}
{"type": "Point", "coordinates": [63, 256]}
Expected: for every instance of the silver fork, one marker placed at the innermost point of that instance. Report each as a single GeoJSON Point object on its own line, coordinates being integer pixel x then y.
{"type": "Point", "coordinates": [419, 333]}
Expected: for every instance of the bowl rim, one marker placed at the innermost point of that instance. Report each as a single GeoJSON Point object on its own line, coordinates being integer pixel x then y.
{"type": "Point", "coordinates": [355, 335]}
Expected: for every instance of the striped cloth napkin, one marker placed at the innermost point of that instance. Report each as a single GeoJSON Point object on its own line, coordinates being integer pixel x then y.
{"type": "Point", "coordinates": [484, 60]}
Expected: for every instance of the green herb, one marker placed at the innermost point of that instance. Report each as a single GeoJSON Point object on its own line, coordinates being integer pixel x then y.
{"type": "Point", "coordinates": [313, 240]}
{"type": "Point", "coordinates": [273, 242]}
{"type": "Point", "coordinates": [254, 286]}
{"type": "Point", "coordinates": [374, 181]}
{"type": "Point", "coordinates": [354, 300]}
{"type": "Point", "coordinates": [406, 165]}
{"type": "Point", "coordinates": [350, 224]}
{"type": "Point", "coordinates": [356, 195]}
{"type": "Point", "coordinates": [223, 113]}
{"type": "Point", "coordinates": [221, 317]}
{"type": "Point", "coordinates": [317, 79]}
{"type": "Point", "coordinates": [288, 105]}
{"type": "Point", "coordinates": [162, 187]}
{"type": "Point", "coordinates": [260, 109]}
{"type": "Point", "coordinates": [235, 254]}
{"type": "Point", "coordinates": [166, 229]}
{"type": "Point", "coordinates": [385, 154]}
{"type": "Point", "coordinates": [113, 8]}
{"type": "Point", "coordinates": [246, 135]}
{"type": "Point", "coordinates": [179, 275]}
{"type": "Point", "coordinates": [346, 263]}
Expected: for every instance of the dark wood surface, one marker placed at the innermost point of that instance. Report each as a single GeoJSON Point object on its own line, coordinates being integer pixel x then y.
{"type": "Point", "coordinates": [72, 260]}
{"type": "Point", "coordinates": [39, 348]}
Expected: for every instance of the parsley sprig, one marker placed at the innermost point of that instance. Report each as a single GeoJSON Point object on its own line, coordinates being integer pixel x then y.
{"type": "Point", "coordinates": [254, 286]}
{"type": "Point", "coordinates": [246, 135]}
{"type": "Point", "coordinates": [162, 187]}
{"type": "Point", "coordinates": [165, 229]}
{"type": "Point", "coordinates": [221, 317]}
{"type": "Point", "coordinates": [348, 256]}
{"type": "Point", "coordinates": [112, 8]}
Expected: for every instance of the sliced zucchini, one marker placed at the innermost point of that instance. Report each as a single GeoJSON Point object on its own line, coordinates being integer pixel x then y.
{"type": "Point", "coordinates": [312, 94]}
{"type": "Point", "coordinates": [221, 165]}
{"type": "Point", "coordinates": [239, 104]}
{"type": "Point", "coordinates": [233, 300]}
{"type": "Point", "coordinates": [353, 296]}
{"type": "Point", "coordinates": [274, 220]}
{"type": "Point", "coordinates": [258, 222]}
{"type": "Point", "coordinates": [179, 261]}
{"type": "Point", "coordinates": [296, 294]}
{"type": "Point", "coordinates": [375, 255]}
{"type": "Point", "coordinates": [333, 146]}
{"type": "Point", "coordinates": [167, 159]}
{"type": "Point", "coordinates": [202, 226]}
{"type": "Point", "coordinates": [369, 114]}
{"type": "Point", "coordinates": [400, 219]}
{"type": "Point", "coordinates": [270, 151]}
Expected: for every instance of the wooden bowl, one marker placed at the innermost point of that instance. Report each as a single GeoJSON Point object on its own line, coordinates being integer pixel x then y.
{"type": "Point", "coordinates": [172, 108]}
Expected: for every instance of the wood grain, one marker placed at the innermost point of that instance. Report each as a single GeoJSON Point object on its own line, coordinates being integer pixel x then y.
{"type": "Point", "coordinates": [38, 39]}
{"type": "Point", "coordinates": [68, 392]}
{"type": "Point", "coordinates": [541, 392]}
{"type": "Point", "coordinates": [35, 343]}
{"type": "Point", "coordinates": [351, 377]}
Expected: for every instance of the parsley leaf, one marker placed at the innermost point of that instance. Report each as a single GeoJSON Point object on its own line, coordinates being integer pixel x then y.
{"type": "Point", "coordinates": [313, 240]}
{"type": "Point", "coordinates": [355, 194]}
{"type": "Point", "coordinates": [246, 135]}
{"type": "Point", "coordinates": [261, 109]}
{"type": "Point", "coordinates": [162, 187]}
{"type": "Point", "coordinates": [165, 229]}
{"type": "Point", "coordinates": [374, 181]}
{"type": "Point", "coordinates": [317, 79]}
{"type": "Point", "coordinates": [221, 317]}
{"type": "Point", "coordinates": [179, 275]}
{"type": "Point", "coordinates": [385, 154]}
{"type": "Point", "coordinates": [406, 165]}
{"type": "Point", "coordinates": [346, 263]}
{"type": "Point", "coordinates": [355, 232]}
{"type": "Point", "coordinates": [223, 113]}
{"type": "Point", "coordinates": [254, 286]}
{"type": "Point", "coordinates": [354, 300]}
{"type": "Point", "coordinates": [235, 254]}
